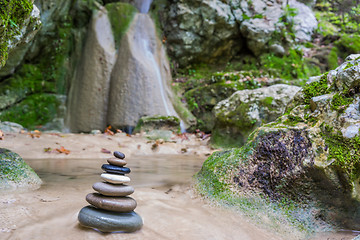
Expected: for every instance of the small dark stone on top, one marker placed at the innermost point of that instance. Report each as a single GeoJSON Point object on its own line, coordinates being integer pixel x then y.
{"type": "Point", "coordinates": [119, 155]}
{"type": "Point", "coordinates": [115, 169]}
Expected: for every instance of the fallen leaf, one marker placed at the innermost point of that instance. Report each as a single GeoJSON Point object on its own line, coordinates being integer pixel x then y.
{"type": "Point", "coordinates": [48, 149]}
{"type": "Point", "coordinates": [1, 135]}
{"type": "Point", "coordinates": [108, 131]}
{"type": "Point", "coordinates": [35, 134]}
{"type": "Point", "coordinates": [104, 150]}
{"type": "Point", "coordinates": [62, 150]}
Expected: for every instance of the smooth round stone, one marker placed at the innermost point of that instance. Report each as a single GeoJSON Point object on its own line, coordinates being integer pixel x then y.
{"type": "Point", "coordinates": [118, 154]}
{"type": "Point", "coordinates": [108, 189]}
{"type": "Point", "coordinates": [115, 169]}
{"type": "Point", "coordinates": [106, 221]}
{"type": "Point", "coordinates": [115, 178]}
{"type": "Point", "coordinates": [116, 204]}
{"type": "Point", "coordinates": [117, 162]}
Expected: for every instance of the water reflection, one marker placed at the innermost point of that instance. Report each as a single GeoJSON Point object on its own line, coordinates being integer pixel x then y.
{"type": "Point", "coordinates": [146, 171]}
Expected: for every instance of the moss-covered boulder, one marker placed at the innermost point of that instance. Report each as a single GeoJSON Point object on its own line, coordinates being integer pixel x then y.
{"type": "Point", "coordinates": [201, 101]}
{"type": "Point", "coordinates": [310, 155]}
{"type": "Point", "coordinates": [19, 21]}
{"type": "Point", "coordinates": [15, 173]}
{"type": "Point", "coordinates": [237, 116]}
{"type": "Point", "coordinates": [150, 123]}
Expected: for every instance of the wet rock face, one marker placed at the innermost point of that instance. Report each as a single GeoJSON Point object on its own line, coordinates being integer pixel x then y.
{"type": "Point", "coordinates": [88, 97]}
{"type": "Point", "coordinates": [278, 155]}
{"type": "Point", "coordinates": [215, 31]}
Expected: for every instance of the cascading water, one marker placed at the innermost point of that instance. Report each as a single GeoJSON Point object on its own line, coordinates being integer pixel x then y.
{"type": "Point", "coordinates": [143, 5]}
{"type": "Point", "coordinates": [151, 57]}
{"type": "Point", "coordinates": [118, 88]}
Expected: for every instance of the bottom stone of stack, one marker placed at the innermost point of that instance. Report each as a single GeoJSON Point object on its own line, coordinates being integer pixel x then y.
{"type": "Point", "coordinates": [106, 221]}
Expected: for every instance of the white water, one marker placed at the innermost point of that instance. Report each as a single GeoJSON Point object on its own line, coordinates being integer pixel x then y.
{"type": "Point", "coordinates": [151, 57]}
{"type": "Point", "coordinates": [143, 5]}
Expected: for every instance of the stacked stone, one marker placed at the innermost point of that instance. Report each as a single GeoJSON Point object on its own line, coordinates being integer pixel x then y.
{"type": "Point", "coordinates": [111, 207]}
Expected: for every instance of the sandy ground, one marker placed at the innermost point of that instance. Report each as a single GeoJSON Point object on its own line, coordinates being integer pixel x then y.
{"type": "Point", "coordinates": [31, 146]}
{"type": "Point", "coordinates": [161, 175]}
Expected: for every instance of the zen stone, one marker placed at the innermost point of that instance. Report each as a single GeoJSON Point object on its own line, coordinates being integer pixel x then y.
{"type": "Point", "coordinates": [115, 178]}
{"type": "Point", "coordinates": [115, 204]}
{"type": "Point", "coordinates": [115, 169]}
{"type": "Point", "coordinates": [106, 221]}
{"type": "Point", "coordinates": [117, 162]}
{"type": "Point", "coordinates": [108, 189]}
{"type": "Point", "coordinates": [119, 155]}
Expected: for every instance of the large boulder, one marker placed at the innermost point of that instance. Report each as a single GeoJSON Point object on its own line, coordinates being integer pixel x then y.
{"type": "Point", "coordinates": [237, 116]}
{"type": "Point", "coordinates": [201, 31]}
{"type": "Point", "coordinates": [15, 173]}
{"type": "Point", "coordinates": [309, 155]}
{"type": "Point", "coordinates": [265, 22]}
{"type": "Point", "coordinates": [141, 77]}
{"type": "Point", "coordinates": [87, 108]}
{"type": "Point", "coordinates": [215, 31]}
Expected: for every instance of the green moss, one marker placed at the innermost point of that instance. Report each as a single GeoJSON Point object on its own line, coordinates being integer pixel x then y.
{"type": "Point", "coordinates": [316, 88]}
{"type": "Point", "coordinates": [34, 111]}
{"type": "Point", "coordinates": [343, 151]}
{"type": "Point", "coordinates": [348, 44]}
{"type": "Point", "coordinates": [13, 167]}
{"type": "Point", "coordinates": [333, 58]}
{"type": "Point", "coordinates": [267, 102]}
{"type": "Point", "coordinates": [12, 15]}
{"type": "Point", "coordinates": [293, 120]}
{"type": "Point", "coordinates": [120, 16]}
{"type": "Point", "coordinates": [340, 102]}
{"type": "Point", "coordinates": [291, 66]}
{"type": "Point", "coordinates": [214, 174]}
{"type": "Point", "coordinates": [158, 122]}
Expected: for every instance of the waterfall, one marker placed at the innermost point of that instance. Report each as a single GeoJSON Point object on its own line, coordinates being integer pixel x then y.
{"type": "Point", "coordinates": [151, 57]}
{"type": "Point", "coordinates": [117, 88]}
{"type": "Point", "coordinates": [143, 5]}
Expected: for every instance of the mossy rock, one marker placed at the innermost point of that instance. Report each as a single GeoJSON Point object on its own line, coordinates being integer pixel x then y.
{"type": "Point", "coordinates": [150, 123]}
{"type": "Point", "coordinates": [120, 16]}
{"type": "Point", "coordinates": [13, 16]}
{"type": "Point", "coordinates": [34, 111]}
{"type": "Point", "coordinates": [308, 156]}
{"type": "Point", "coordinates": [15, 173]}
{"type": "Point", "coordinates": [201, 101]}
{"type": "Point", "coordinates": [237, 116]}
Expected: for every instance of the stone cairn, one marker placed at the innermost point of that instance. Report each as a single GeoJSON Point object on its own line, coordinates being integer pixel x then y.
{"type": "Point", "coordinates": [112, 210]}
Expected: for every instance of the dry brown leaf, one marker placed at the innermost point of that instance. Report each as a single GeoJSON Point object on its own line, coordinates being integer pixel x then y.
{"type": "Point", "coordinates": [62, 150]}
{"type": "Point", "coordinates": [108, 131]}
{"type": "Point", "coordinates": [35, 134]}
{"type": "Point", "coordinates": [1, 135]}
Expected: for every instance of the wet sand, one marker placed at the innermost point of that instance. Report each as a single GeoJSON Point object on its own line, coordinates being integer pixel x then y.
{"type": "Point", "coordinates": [162, 178]}
{"type": "Point", "coordinates": [169, 207]}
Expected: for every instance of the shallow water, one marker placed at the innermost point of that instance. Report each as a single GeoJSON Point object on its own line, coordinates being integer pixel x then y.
{"type": "Point", "coordinates": [167, 204]}
{"type": "Point", "coordinates": [162, 189]}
